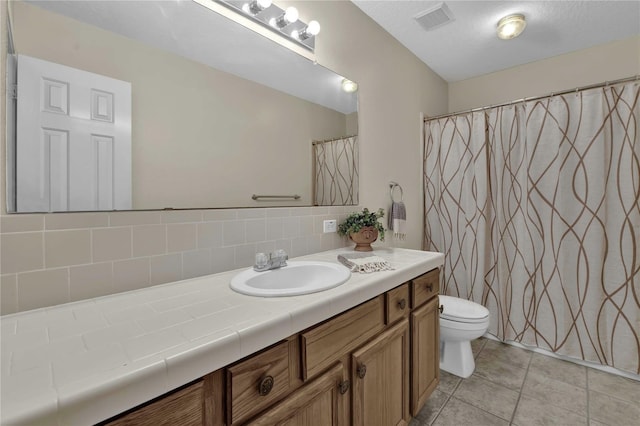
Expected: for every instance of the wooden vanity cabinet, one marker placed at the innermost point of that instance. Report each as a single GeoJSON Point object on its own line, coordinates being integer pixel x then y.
{"type": "Point", "coordinates": [321, 402]}
{"type": "Point", "coordinates": [375, 364]}
{"type": "Point", "coordinates": [380, 377]}
{"type": "Point", "coordinates": [195, 404]}
{"type": "Point", "coordinates": [425, 338]}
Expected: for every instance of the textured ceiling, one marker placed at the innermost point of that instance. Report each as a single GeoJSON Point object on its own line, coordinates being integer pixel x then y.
{"type": "Point", "coordinates": [468, 46]}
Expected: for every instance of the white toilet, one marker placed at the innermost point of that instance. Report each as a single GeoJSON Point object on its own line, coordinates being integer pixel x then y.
{"type": "Point", "coordinates": [461, 321]}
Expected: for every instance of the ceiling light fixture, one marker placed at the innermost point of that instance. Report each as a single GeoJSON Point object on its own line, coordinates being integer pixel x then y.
{"type": "Point", "coordinates": [281, 21]}
{"type": "Point", "coordinates": [349, 86]}
{"type": "Point", "coordinates": [511, 26]}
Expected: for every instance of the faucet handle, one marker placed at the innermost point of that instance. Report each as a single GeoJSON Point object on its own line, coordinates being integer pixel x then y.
{"type": "Point", "coordinates": [261, 260]}
{"type": "Point", "coordinates": [280, 256]}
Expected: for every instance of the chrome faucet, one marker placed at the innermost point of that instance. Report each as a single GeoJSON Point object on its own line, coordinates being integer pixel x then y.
{"type": "Point", "coordinates": [274, 260]}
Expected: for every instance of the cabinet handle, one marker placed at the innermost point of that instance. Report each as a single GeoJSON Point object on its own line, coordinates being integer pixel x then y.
{"type": "Point", "coordinates": [344, 387]}
{"type": "Point", "coordinates": [430, 287]}
{"type": "Point", "coordinates": [441, 308]}
{"type": "Point", "coordinates": [402, 303]}
{"type": "Point", "coordinates": [265, 386]}
{"type": "Point", "coordinates": [361, 371]}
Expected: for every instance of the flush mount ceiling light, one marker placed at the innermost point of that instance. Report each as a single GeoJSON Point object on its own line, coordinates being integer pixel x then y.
{"type": "Point", "coordinates": [349, 86]}
{"type": "Point", "coordinates": [511, 26]}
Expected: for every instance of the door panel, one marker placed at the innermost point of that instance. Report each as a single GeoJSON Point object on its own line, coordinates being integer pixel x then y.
{"type": "Point", "coordinates": [73, 147]}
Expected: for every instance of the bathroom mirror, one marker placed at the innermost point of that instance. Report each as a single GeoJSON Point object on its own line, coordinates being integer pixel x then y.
{"type": "Point", "coordinates": [218, 112]}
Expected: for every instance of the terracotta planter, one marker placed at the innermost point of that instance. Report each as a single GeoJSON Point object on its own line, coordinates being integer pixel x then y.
{"type": "Point", "coordinates": [364, 238]}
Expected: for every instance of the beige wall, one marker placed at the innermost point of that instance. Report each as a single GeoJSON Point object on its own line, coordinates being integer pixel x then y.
{"type": "Point", "coordinates": [395, 87]}
{"type": "Point", "coordinates": [55, 258]}
{"type": "Point", "coordinates": [195, 130]}
{"type": "Point", "coordinates": [607, 62]}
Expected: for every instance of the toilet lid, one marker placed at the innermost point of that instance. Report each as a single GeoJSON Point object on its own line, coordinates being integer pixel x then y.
{"type": "Point", "coordinates": [461, 310]}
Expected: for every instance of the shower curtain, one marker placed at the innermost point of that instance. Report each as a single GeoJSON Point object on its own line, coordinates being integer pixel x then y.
{"type": "Point", "coordinates": [536, 206]}
{"type": "Point", "coordinates": [336, 172]}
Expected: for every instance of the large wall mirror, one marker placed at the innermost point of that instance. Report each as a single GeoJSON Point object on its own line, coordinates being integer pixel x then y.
{"type": "Point", "coordinates": [218, 113]}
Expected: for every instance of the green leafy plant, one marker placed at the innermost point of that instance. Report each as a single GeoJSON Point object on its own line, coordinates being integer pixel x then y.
{"type": "Point", "coordinates": [356, 221]}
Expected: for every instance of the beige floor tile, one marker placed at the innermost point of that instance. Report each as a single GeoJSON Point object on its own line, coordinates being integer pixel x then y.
{"type": "Point", "coordinates": [613, 411]}
{"type": "Point", "coordinates": [511, 354]}
{"type": "Point", "coordinates": [531, 412]}
{"type": "Point", "coordinates": [488, 396]}
{"type": "Point", "coordinates": [459, 413]}
{"type": "Point", "coordinates": [477, 345]}
{"type": "Point", "coordinates": [430, 409]}
{"type": "Point", "coordinates": [499, 370]}
{"type": "Point", "coordinates": [558, 369]}
{"type": "Point", "coordinates": [556, 392]}
{"type": "Point", "coordinates": [617, 386]}
{"type": "Point", "coordinates": [448, 382]}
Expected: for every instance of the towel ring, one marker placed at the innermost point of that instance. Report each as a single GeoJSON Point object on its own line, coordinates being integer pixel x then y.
{"type": "Point", "coordinates": [392, 186]}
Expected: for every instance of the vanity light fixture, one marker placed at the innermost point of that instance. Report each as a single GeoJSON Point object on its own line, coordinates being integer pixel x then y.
{"type": "Point", "coordinates": [349, 86]}
{"type": "Point", "coordinates": [288, 17]}
{"type": "Point", "coordinates": [256, 6]}
{"type": "Point", "coordinates": [281, 21]}
{"type": "Point", "coordinates": [312, 29]}
{"type": "Point", "coordinates": [511, 26]}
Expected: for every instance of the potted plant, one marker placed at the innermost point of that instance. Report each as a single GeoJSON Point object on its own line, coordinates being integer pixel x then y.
{"type": "Point", "coordinates": [363, 228]}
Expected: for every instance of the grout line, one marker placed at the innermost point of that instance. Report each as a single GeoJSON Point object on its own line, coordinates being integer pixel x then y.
{"type": "Point", "coordinates": [513, 415]}
{"type": "Point", "coordinates": [586, 375]}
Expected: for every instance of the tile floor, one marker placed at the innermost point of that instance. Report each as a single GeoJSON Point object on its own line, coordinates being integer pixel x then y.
{"type": "Point", "coordinates": [512, 386]}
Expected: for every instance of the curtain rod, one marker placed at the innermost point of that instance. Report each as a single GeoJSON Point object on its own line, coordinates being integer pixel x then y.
{"type": "Point", "coordinates": [332, 140]}
{"type": "Point", "coordinates": [533, 98]}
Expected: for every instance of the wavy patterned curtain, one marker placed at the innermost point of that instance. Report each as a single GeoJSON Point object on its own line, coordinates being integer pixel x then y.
{"type": "Point", "coordinates": [336, 172]}
{"type": "Point", "coordinates": [555, 216]}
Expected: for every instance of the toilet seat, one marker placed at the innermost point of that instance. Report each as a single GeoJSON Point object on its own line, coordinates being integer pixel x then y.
{"type": "Point", "coordinates": [461, 310]}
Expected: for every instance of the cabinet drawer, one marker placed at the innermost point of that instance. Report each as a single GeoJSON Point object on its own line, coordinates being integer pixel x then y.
{"type": "Point", "coordinates": [425, 287]}
{"type": "Point", "coordinates": [257, 382]}
{"type": "Point", "coordinates": [397, 303]}
{"type": "Point", "coordinates": [325, 344]}
{"type": "Point", "coordinates": [184, 407]}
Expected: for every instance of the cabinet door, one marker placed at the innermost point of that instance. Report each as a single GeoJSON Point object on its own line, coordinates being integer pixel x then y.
{"type": "Point", "coordinates": [380, 377]}
{"type": "Point", "coordinates": [321, 402]}
{"type": "Point", "coordinates": [425, 353]}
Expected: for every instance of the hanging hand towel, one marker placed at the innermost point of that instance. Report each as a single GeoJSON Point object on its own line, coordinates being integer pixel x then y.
{"type": "Point", "coordinates": [398, 219]}
{"type": "Point", "coordinates": [364, 262]}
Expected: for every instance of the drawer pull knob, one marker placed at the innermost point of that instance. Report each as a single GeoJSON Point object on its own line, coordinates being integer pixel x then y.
{"type": "Point", "coordinates": [402, 303]}
{"type": "Point", "coordinates": [265, 386]}
{"type": "Point", "coordinates": [344, 387]}
{"type": "Point", "coordinates": [441, 308]}
{"type": "Point", "coordinates": [361, 371]}
{"type": "Point", "coordinates": [430, 287]}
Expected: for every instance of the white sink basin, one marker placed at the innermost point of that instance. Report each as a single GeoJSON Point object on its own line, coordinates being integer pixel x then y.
{"type": "Point", "coordinates": [298, 277]}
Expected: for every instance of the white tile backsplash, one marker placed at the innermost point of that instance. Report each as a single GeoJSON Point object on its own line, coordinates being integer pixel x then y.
{"type": "Point", "coordinates": [48, 259]}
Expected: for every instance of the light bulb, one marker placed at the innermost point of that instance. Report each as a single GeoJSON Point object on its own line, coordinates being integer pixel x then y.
{"type": "Point", "coordinates": [291, 15]}
{"type": "Point", "coordinates": [288, 17]}
{"type": "Point", "coordinates": [309, 31]}
{"type": "Point", "coordinates": [349, 86]}
{"type": "Point", "coordinates": [313, 28]}
{"type": "Point", "coordinates": [256, 6]}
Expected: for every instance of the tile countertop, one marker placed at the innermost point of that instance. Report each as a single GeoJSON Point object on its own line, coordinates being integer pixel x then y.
{"type": "Point", "coordinates": [83, 362]}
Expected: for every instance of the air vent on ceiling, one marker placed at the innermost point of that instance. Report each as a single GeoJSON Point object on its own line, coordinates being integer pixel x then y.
{"type": "Point", "coordinates": [435, 17]}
